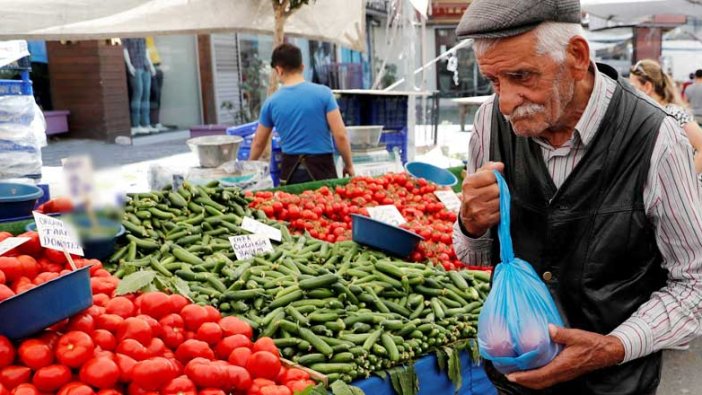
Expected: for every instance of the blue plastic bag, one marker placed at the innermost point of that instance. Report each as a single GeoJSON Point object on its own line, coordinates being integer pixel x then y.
{"type": "Point", "coordinates": [513, 323]}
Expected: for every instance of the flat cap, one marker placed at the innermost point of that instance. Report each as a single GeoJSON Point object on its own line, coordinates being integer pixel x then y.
{"type": "Point", "coordinates": [507, 18]}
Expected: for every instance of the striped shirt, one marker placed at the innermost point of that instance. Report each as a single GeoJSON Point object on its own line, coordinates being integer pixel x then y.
{"type": "Point", "coordinates": [673, 202]}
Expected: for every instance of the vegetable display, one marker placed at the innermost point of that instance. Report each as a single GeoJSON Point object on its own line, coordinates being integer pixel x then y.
{"type": "Point", "coordinates": [138, 343]}
{"type": "Point", "coordinates": [326, 212]}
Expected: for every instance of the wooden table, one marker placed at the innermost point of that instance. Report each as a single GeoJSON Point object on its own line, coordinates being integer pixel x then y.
{"type": "Point", "coordinates": [464, 105]}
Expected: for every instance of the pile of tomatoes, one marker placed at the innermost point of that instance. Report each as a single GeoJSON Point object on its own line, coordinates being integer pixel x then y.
{"type": "Point", "coordinates": [326, 212]}
{"type": "Point", "coordinates": [148, 343]}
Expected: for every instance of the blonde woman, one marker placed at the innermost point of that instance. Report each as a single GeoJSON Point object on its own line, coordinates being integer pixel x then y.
{"type": "Point", "coordinates": [648, 77]}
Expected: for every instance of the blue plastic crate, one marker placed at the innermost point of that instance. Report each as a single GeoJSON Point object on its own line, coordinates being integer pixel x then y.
{"type": "Point", "coordinates": [398, 139]}
{"type": "Point", "coordinates": [350, 108]}
{"type": "Point", "coordinates": [389, 111]}
{"type": "Point", "coordinates": [16, 88]}
{"type": "Point", "coordinates": [247, 131]}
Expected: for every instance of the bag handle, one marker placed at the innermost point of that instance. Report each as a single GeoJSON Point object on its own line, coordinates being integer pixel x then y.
{"type": "Point", "coordinates": [503, 229]}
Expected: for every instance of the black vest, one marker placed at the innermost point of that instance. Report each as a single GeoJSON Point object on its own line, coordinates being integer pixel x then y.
{"type": "Point", "coordinates": [592, 234]}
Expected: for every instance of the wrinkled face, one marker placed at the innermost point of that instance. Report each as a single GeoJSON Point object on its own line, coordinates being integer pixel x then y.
{"type": "Point", "coordinates": [534, 90]}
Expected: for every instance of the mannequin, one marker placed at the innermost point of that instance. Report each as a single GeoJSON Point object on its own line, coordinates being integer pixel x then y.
{"type": "Point", "coordinates": [140, 71]}
{"type": "Point", "coordinates": [156, 85]}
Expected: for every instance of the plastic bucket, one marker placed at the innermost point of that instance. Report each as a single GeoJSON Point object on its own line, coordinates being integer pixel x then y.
{"type": "Point", "coordinates": [387, 238]}
{"type": "Point", "coordinates": [431, 173]}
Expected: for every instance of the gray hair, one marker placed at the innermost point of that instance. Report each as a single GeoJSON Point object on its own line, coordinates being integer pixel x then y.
{"type": "Point", "coordinates": [552, 39]}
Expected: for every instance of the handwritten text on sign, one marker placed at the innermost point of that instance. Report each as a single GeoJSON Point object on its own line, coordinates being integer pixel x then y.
{"type": "Point", "coordinates": [259, 228]}
{"type": "Point", "coordinates": [11, 243]}
{"type": "Point", "coordinates": [388, 214]}
{"type": "Point", "coordinates": [57, 235]}
{"type": "Point", "coordinates": [449, 199]}
{"type": "Point", "coordinates": [248, 246]}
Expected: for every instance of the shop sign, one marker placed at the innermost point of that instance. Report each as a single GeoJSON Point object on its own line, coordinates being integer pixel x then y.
{"type": "Point", "coordinates": [259, 228]}
{"type": "Point", "coordinates": [449, 199]}
{"type": "Point", "coordinates": [57, 235]}
{"type": "Point", "coordinates": [388, 214]}
{"type": "Point", "coordinates": [248, 246]}
{"type": "Point", "coordinates": [12, 243]}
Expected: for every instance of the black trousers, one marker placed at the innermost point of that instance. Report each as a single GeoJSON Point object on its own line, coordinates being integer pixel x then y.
{"type": "Point", "coordinates": [155, 99]}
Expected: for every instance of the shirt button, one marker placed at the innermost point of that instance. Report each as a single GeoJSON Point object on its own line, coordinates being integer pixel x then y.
{"type": "Point", "coordinates": [547, 276]}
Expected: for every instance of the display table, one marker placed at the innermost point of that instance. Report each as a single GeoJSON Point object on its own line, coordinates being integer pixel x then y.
{"type": "Point", "coordinates": [464, 105]}
{"type": "Point", "coordinates": [432, 381]}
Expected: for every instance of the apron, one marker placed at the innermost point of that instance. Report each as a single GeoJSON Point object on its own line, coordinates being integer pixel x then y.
{"type": "Point", "coordinates": [296, 169]}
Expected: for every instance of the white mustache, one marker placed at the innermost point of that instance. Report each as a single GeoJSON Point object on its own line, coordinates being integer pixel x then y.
{"type": "Point", "coordinates": [525, 110]}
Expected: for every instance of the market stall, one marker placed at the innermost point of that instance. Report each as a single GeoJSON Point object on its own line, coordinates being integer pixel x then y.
{"type": "Point", "coordinates": [336, 309]}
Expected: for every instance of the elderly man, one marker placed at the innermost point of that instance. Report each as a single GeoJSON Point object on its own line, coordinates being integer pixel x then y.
{"type": "Point", "coordinates": [605, 204]}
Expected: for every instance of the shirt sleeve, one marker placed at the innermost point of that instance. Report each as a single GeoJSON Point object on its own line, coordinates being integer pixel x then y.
{"type": "Point", "coordinates": [266, 118]}
{"type": "Point", "coordinates": [671, 317]}
{"type": "Point", "coordinates": [330, 104]}
{"type": "Point", "coordinates": [476, 252]}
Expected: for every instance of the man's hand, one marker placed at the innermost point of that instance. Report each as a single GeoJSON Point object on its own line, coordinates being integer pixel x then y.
{"type": "Point", "coordinates": [582, 353]}
{"type": "Point", "coordinates": [349, 171]}
{"type": "Point", "coordinates": [480, 209]}
{"type": "Point", "coordinates": [131, 69]}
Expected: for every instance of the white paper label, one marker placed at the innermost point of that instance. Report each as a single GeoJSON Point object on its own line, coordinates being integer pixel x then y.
{"type": "Point", "coordinates": [78, 171]}
{"type": "Point", "coordinates": [449, 199]}
{"type": "Point", "coordinates": [388, 214]}
{"type": "Point", "coordinates": [259, 228]}
{"type": "Point", "coordinates": [57, 235]}
{"type": "Point", "coordinates": [12, 242]}
{"type": "Point", "coordinates": [248, 246]}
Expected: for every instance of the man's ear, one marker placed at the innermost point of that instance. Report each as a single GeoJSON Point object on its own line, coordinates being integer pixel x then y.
{"type": "Point", "coordinates": [578, 57]}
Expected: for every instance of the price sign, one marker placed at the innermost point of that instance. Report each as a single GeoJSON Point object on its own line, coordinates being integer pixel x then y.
{"type": "Point", "coordinates": [57, 235]}
{"type": "Point", "coordinates": [12, 243]}
{"type": "Point", "coordinates": [248, 246]}
{"type": "Point", "coordinates": [388, 214]}
{"type": "Point", "coordinates": [259, 228]}
{"type": "Point", "coordinates": [78, 171]}
{"type": "Point", "coordinates": [449, 199]}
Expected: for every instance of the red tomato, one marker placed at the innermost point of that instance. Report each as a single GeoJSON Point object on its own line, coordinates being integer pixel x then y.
{"type": "Point", "coordinates": [235, 326]}
{"type": "Point", "coordinates": [121, 306]}
{"type": "Point", "coordinates": [229, 343]}
{"type": "Point", "coordinates": [110, 322]}
{"type": "Point", "coordinates": [265, 344]}
{"type": "Point", "coordinates": [51, 378]}
{"type": "Point", "coordinates": [135, 328]}
{"type": "Point", "coordinates": [155, 304]}
{"type": "Point", "coordinates": [179, 386]}
{"type": "Point", "coordinates": [5, 292]}
{"type": "Point", "coordinates": [104, 339]}
{"type": "Point", "coordinates": [35, 353]}
{"type": "Point", "coordinates": [76, 388]}
{"type": "Point", "coordinates": [210, 333]}
{"type": "Point", "coordinates": [263, 364]}
{"type": "Point", "coordinates": [74, 349]}
{"type": "Point", "coordinates": [194, 316]}
{"type": "Point", "coordinates": [240, 356]}
{"type": "Point", "coordinates": [25, 389]}
{"type": "Point", "coordinates": [126, 366]}
{"type": "Point", "coordinates": [100, 373]}
{"type": "Point", "coordinates": [7, 352]}
{"type": "Point", "coordinates": [82, 322]}
{"type": "Point", "coordinates": [191, 349]}
{"type": "Point", "coordinates": [12, 376]}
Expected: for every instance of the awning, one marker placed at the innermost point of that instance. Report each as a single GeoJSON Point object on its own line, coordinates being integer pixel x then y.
{"type": "Point", "coordinates": [617, 12]}
{"type": "Point", "coordinates": [338, 21]}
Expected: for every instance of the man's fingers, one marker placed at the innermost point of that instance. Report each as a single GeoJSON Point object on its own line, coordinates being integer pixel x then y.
{"type": "Point", "coordinates": [499, 166]}
{"type": "Point", "coordinates": [563, 335]}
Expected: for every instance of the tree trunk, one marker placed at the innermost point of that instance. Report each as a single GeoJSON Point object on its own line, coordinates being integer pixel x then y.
{"type": "Point", "coordinates": [278, 38]}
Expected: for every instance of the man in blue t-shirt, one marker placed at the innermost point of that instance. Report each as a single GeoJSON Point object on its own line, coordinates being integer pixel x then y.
{"type": "Point", "coordinates": [306, 117]}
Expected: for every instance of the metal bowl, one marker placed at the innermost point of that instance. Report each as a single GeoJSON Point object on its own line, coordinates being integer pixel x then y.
{"type": "Point", "coordinates": [212, 151]}
{"type": "Point", "coordinates": [364, 136]}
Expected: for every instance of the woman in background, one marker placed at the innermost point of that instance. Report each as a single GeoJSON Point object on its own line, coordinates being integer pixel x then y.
{"type": "Point", "coordinates": [648, 77]}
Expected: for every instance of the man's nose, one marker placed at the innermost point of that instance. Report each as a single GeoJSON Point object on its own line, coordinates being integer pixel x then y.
{"type": "Point", "coordinates": [510, 100]}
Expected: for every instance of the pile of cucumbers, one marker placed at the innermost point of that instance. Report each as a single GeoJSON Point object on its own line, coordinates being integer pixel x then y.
{"type": "Point", "coordinates": [340, 309]}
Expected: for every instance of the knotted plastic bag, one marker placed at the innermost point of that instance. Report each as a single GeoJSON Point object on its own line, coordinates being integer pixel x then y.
{"type": "Point", "coordinates": [513, 323]}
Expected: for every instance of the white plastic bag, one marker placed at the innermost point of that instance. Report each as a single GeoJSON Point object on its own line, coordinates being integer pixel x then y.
{"type": "Point", "coordinates": [22, 135]}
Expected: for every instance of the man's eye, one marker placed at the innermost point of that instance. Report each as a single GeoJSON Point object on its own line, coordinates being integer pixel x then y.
{"type": "Point", "coordinates": [521, 76]}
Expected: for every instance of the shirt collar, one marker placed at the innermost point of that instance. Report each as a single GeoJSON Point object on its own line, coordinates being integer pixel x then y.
{"type": "Point", "coordinates": [594, 111]}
